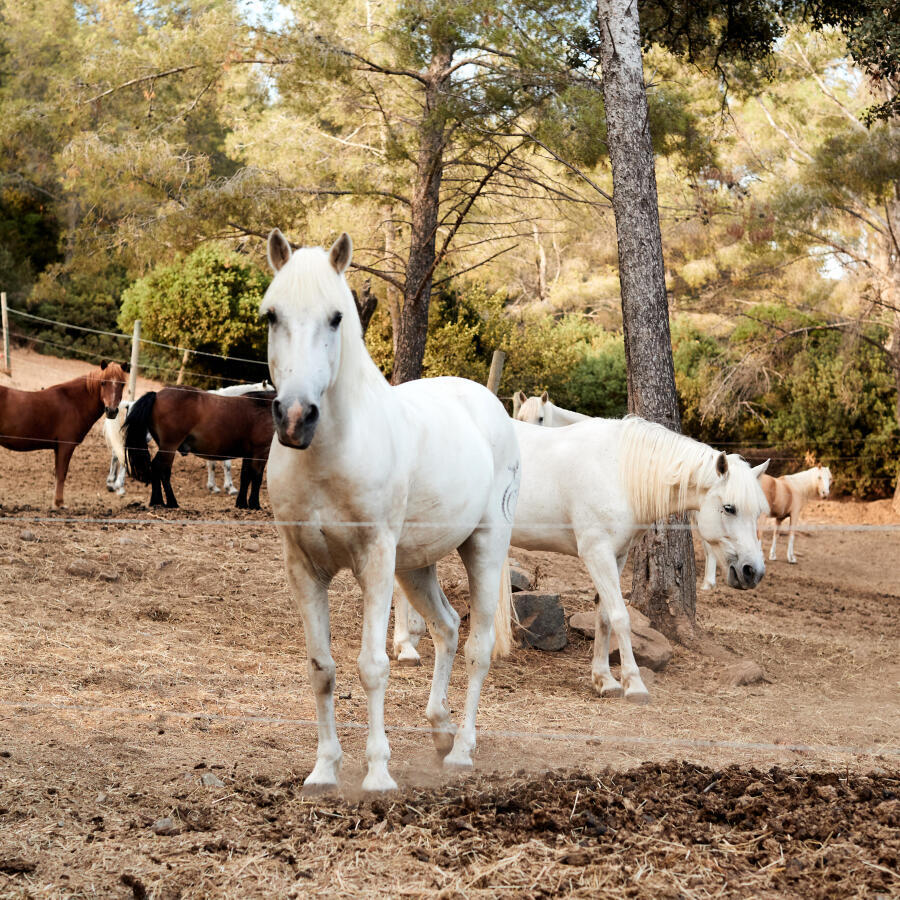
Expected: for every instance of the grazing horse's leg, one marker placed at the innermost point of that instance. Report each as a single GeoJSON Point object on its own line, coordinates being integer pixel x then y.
{"type": "Point", "coordinates": [612, 615]}
{"type": "Point", "coordinates": [775, 524]}
{"type": "Point", "coordinates": [376, 578]}
{"type": "Point", "coordinates": [241, 502]}
{"type": "Point", "coordinates": [63, 454]}
{"type": "Point", "coordinates": [227, 483]}
{"type": "Point", "coordinates": [424, 590]}
{"type": "Point", "coordinates": [211, 477]}
{"type": "Point", "coordinates": [709, 578]}
{"type": "Point", "coordinates": [311, 595]}
{"type": "Point", "coordinates": [409, 627]}
{"type": "Point", "coordinates": [162, 463]}
{"type": "Point", "coordinates": [256, 477]}
{"type": "Point", "coordinates": [482, 554]}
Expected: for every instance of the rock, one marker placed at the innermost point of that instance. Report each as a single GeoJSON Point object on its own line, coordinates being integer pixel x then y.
{"type": "Point", "coordinates": [111, 576]}
{"type": "Point", "coordinates": [651, 648]}
{"type": "Point", "coordinates": [80, 568]}
{"type": "Point", "coordinates": [210, 779]}
{"type": "Point", "coordinates": [27, 535]}
{"type": "Point", "coordinates": [647, 675]}
{"type": "Point", "coordinates": [164, 826]}
{"type": "Point", "coordinates": [252, 546]}
{"type": "Point", "coordinates": [124, 541]}
{"type": "Point", "coordinates": [521, 579]}
{"type": "Point", "coordinates": [542, 621]}
{"type": "Point", "coordinates": [164, 563]}
{"type": "Point", "coordinates": [743, 672]}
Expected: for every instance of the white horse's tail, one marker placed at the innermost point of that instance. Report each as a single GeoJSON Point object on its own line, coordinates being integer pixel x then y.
{"type": "Point", "coordinates": [112, 432]}
{"type": "Point", "coordinates": [503, 641]}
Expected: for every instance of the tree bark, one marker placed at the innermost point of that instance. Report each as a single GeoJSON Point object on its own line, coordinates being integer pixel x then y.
{"type": "Point", "coordinates": [425, 203]}
{"type": "Point", "coordinates": [393, 294]}
{"type": "Point", "coordinates": [664, 585]}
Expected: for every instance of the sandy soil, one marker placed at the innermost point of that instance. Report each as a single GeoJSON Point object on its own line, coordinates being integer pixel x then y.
{"type": "Point", "coordinates": [137, 657]}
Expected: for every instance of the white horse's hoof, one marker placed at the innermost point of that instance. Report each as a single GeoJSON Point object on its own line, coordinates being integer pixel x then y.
{"type": "Point", "coordinates": [458, 760]}
{"type": "Point", "coordinates": [607, 686]}
{"type": "Point", "coordinates": [232, 490]}
{"type": "Point", "coordinates": [121, 492]}
{"type": "Point", "coordinates": [641, 697]}
{"type": "Point", "coordinates": [443, 742]}
{"type": "Point", "coordinates": [793, 562]}
{"type": "Point", "coordinates": [408, 657]}
{"type": "Point", "coordinates": [378, 781]}
{"type": "Point", "coordinates": [214, 489]}
{"type": "Point", "coordinates": [706, 586]}
{"type": "Point", "coordinates": [323, 778]}
{"type": "Point", "coordinates": [772, 557]}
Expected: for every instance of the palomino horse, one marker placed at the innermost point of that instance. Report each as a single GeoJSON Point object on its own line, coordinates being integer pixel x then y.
{"type": "Point", "coordinates": [381, 480]}
{"type": "Point", "coordinates": [540, 411]}
{"type": "Point", "coordinates": [187, 420]}
{"type": "Point", "coordinates": [787, 496]}
{"type": "Point", "coordinates": [58, 418]}
{"type": "Point", "coordinates": [592, 489]}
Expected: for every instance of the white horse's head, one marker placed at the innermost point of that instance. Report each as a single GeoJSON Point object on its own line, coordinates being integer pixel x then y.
{"type": "Point", "coordinates": [823, 481]}
{"type": "Point", "coordinates": [534, 410]}
{"type": "Point", "coordinates": [309, 308]}
{"type": "Point", "coordinates": [727, 519]}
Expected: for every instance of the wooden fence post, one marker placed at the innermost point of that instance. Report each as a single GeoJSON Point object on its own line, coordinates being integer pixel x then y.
{"type": "Point", "coordinates": [497, 360]}
{"type": "Point", "coordinates": [135, 352]}
{"type": "Point", "coordinates": [7, 365]}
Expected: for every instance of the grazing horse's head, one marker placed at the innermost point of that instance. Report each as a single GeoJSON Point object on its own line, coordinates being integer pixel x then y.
{"type": "Point", "coordinates": [823, 481]}
{"type": "Point", "coordinates": [111, 378]}
{"type": "Point", "coordinates": [306, 306]}
{"type": "Point", "coordinates": [727, 518]}
{"type": "Point", "coordinates": [534, 410]}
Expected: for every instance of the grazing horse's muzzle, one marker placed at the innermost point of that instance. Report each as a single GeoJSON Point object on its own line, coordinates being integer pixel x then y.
{"type": "Point", "coordinates": [295, 422]}
{"type": "Point", "coordinates": [745, 576]}
{"type": "Point", "coordinates": [111, 411]}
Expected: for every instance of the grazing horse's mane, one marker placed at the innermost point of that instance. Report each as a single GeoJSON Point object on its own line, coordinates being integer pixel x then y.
{"type": "Point", "coordinates": [655, 461]}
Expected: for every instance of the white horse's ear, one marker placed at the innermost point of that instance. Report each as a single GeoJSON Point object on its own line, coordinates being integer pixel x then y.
{"type": "Point", "coordinates": [278, 250]}
{"type": "Point", "coordinates": [518, 399]}
{"type": "Point", "coordinates": [341, 253]}
{"type": "Point", "coordinates": [761, 468]}
{"type": "Point", "coordinates": [545, 397]}
{"type": "Point", "coordinates": [722, 464]}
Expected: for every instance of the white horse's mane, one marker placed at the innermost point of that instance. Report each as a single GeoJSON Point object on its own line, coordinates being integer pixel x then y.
{"type": "Point", "coordinates": [655, 461]}
{"type": "Point", "coordinates": [532, 404]}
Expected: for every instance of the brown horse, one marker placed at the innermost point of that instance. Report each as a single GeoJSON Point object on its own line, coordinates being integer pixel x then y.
{"type": "Point", "coordinates": [214, 427]}
{"type": "Point", "coordinates": [58, 417]}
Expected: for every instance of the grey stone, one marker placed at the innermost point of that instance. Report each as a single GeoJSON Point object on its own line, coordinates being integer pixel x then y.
{"type": "Point", "coordinates": [521, 579]}
{"type": "Point", "coordinates": [210, 779]}
{"type": "Point", "coordinates": [80, 568]}
{"type": "Point", "coordinates": [542, 621]}
{"type": "Point", "coordinates": [27, 535]}
{"type": "Point", "coordinates": [743, 672]}
{"type": "Point", "coordinates": [164, 826]}
{"type": "Point", "coordinates": [111, 576]}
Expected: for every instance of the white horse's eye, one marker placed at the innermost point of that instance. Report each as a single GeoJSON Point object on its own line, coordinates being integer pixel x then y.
{"type": "Point", "coordinates": [271, 316]}
{"type": "Point", "coordinates": [540, 420]}
{"type": "Point", "coordinates": [729, 510]}
{"type": "Point", "coordinates": [336, 320]}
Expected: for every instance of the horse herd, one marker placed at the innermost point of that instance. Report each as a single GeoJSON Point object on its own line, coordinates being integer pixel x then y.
{"type": "Point", "coordinates": [387, 480]}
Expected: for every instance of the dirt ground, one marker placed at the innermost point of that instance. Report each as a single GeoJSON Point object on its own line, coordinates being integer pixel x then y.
{"type": "Point", "coordinates": [156, 724]}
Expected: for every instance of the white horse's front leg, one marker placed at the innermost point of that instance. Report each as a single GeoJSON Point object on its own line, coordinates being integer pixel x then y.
{"type": "Point", "coordinates": [119, 484]}
{"type": "Point", "coordinates": [774, 538]}
{"type": "Point", "coordinates": [443, 623]}
{"type": "Point", "coordinates": [311, 595]}
{"type": "Point", "coordinates": [790, 551]}
{"type": "Point", "coordinates": [227, 483]}
{"type": "Point", "coordinates": [611, 615]}
{"type": "Point", "coordinates": [376, 578]}
{"type": "Point", "coordinates": [113, 472]}
{"type": "Point", "coordinates": [211, 477]}
{"type": "Point", "coordinates": [709, 578]}
{"type": "Point", "coordinates": [483, 555]}
{"type": "Point", "coordinates": [409, 627]}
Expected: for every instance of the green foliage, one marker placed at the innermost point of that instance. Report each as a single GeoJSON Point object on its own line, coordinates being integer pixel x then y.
{"type": "Point", "coordinates": [207, 301]}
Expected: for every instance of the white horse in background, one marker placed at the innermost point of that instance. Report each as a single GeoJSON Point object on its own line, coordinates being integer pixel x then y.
{"type": "Point", "coordinates": [786, 496]}
{"type": "Point", "coordinates": [592, 489]}
{"type": "Point", "coordinates": [236, 390]}
{"type": "Point", "coordinates": [115, 442]}
{"type": "Point", "coordinates": [381, 480]}
{"type": "Point", "coordinates": [540, 411]}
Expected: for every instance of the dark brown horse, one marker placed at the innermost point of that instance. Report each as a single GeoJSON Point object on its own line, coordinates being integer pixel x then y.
{"type": "Point", "coordinates": [58, 417]}
{"type": "Point", "coordinates": [188, 420]}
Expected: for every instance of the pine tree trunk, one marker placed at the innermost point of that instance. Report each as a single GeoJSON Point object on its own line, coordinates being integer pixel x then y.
{"type": "Point", "coordinates": [393, 294]}
{"type": "Point", "coordinates": [413, 331]}
{"type": "Point", "coordinates": [664, 583]}
{"type": "Point", "coordinates": [895, 359]}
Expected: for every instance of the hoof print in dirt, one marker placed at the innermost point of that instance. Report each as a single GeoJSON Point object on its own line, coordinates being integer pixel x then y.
{"type": "Point", "coordinates": [652, 649]}
{"type": "Point", "coordinates": [744, 672]}
{"type": "Point", "coordinates": [521, 579]}
{"type": "Point", "coordinates": [541, 621]}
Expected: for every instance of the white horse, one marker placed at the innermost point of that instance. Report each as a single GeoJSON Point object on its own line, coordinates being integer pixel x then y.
{"type": "Point", "coordinates": [592, 489]}
{"type": "Point", "coordinates": [115, 442]}
{"type": "Point", "coordinates": [235, 390]}
{"type": "Point", "coordinates": [381, 480]}
{"type": "Point", "coordinates": [540, 411]}
{"type": "Point", "coordinates": [786, 496]}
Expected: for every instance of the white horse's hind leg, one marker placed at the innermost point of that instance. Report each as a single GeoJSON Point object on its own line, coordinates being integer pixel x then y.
{"type": "Point", "coordinates": [119, 483]}
{"type": "Point", "coordinates": [409, 627]}
{"type": "Point", "coordinates": [113, 473]}
{"type": "Point", "coordinates": [709, 578]}
{"type": "Point", "coordinates": [790, 551]}
{"type": "Point", "coordinates": [227, 483]}
{"type": "Point", "coordinates": [483, 555]}
{"type": "Point", "coordinates": [211, 477]}
{"type": "Point", "coordinates": [611, 615]}
{"type": "Point", "coordinates": [443, 622]}
{"type": "Point", "coordinates": [377, 582]}
{"type": "Point", "coordinates": [312, 598]}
